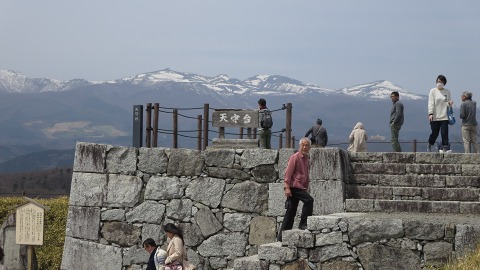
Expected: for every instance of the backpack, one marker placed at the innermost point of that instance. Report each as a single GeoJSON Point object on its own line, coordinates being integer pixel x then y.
{"type": "Point", "coordinates": [267, 121]}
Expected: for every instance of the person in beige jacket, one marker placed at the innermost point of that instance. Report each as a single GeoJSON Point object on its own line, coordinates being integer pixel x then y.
{"type": "Point", "coordinates": [358, 139]}
{"type": "Point", "coordinates": [176, 251]}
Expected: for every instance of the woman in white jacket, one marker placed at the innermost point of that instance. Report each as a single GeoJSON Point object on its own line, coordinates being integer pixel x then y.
{"type": "Point", "coordinates": [439, 99]}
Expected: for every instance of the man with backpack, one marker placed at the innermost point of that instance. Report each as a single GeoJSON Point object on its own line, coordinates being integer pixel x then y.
{"type": "Point", "coordinates": [319, 135]}
{"type": "Point", "coordinates": [266, 123]}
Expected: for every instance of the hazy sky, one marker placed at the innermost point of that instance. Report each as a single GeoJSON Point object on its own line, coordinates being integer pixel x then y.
{"type": "Point", "coordinates": [334, 44]}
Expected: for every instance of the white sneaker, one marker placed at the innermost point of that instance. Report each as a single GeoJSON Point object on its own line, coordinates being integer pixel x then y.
{"type": "Point", "coordinates": [440, 151]}
{"type": "Point", "coordinates": [448, 151]}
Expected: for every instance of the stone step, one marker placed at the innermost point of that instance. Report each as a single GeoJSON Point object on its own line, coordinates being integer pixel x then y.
{"type": "Point", "coordinates": [353, 191]}
{"type": "Point", "coordinates": [248, 263]}
{"type": "Point", "coordinates": [273, 252]}
{"type": "Point", "coordinates": [417, 206]}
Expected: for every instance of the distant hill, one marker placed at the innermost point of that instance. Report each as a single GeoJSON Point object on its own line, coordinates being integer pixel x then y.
{"type": "Point", "coordinates": [38, 114]}
{"type": "Point", "coordinates": [36, 161]}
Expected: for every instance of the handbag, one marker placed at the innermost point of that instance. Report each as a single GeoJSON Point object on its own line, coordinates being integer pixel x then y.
{"type": "Point", "coordinates": [451, 118]}
{"type": "Point", "coordinates": [312, 139]}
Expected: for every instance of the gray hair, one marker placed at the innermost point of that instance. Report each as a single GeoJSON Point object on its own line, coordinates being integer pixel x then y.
{"type": "Point", "coordinates": [467, 95]}
{"type": "Point", "coordinates": [305, 139]}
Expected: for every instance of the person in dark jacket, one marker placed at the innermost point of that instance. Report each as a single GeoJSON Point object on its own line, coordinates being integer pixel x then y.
{"type": "Point", "coordinates": [319, 134]}
{"type": "Point", "coordinates": [468, 111]}
{"type": "Point", "coordinates": [157, 255]}
{"type": "Point", "coordinates": [396, 120]}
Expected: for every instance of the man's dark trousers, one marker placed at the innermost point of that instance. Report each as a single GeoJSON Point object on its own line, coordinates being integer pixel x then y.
{"type": "Point", "coordinates": [307, 210]}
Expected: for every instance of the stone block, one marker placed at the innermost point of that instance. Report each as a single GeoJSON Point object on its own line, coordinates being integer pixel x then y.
{"type": "Point", "coordinates": [328, 164]}
{"type": "Point", "coordinates": [437, 253]}
{"type": "Point", "coordinates": [298, 238]}
{"type": "Point", "coordinates": [445, 207]}
{"type": "Point", "coordinates": [364, 179]}
{"type": "Point", "coordinates": [218, 143]}
{"type": "Point", "coordinates": [227, 173]}
{"type": "Point", "coordinates": [232, 244]}
{"type": "Point", "coordinates": [155, 231]}
{"type": "Point", "coordinates": [152, 160]}
{"type": "Point", "coordinates": [328, 195]}
{"type": "Point", "coordinates": [164, 188]}
{"type": "Point", "coordinates": [237, 222]}
{"type": "Point", "coordinates": [470, 208]}
{"type": "Point", "coordinates": [134, 255]}
{"type": "Point", "coordinates": [123, 190]}
{"type": "Point", "coordinates": [359, 205]}
{"type": "Point", "coordinates": [212, 191]}
{"type": "Point", "coordinates": [434, 168]}
{"type": "Point", "coordinates": [207, 222]}
{"type": "Point", "coordinates": [262, 230]}
{"type": "Point", "coordinates": [185, 162]}
{"type": "Point", "coordinates": [318, 223]}
{"type": "Point", "coordinates": [470, 170]}
{"type": "Point", "coordinates": [407, 191]}
{"type": "Point", "coordinates": [254, 157]}
{"type": "Point", "coordinates": [397, 180]}
{"type": "Point", "coordinates": [463, 181]}
{"type": "Point", "coordinates": [89, 157]}
{"type": "Point", "coordinates": [223, 158]}
{"type": "Point", "coordinates": [180, 209]}
{"type": "Point", "coordinates": [423, 230]}
{"type": "Point", "coordinates": [191, 234]}
{"type": "Point", "coordinates": [300, 264]}
{"type": "Point", "coordinates": [365, 157]}
{"type": "Point", "coordinates": [461, 158]}
{"type": "Point", "coordinates": [379, 168]}
{"type": "Point", "coordinates": [146, 212]}
{"type": "Point", "coordinates": [256, 201]}
{"type": "Point", "coordinates": [450, 194]}
{"type": "Point", "coordinates": [381, 257]}
{"type": "Point", "coordinates": [467, 238]}
{"type": "Point", "coordinates": [92, 255]}
{"type": "Point", "coordinates": [325, 253]}
{"type": "Point", "coordinates": [368, 192]}
{"type": "Point", "coordinates": [88, 189]}
{"type": "Point", "coordinates": [249, 263]}
{"type": "Point", "coordinates": [122, 234]}
{"type": "Point", "coordinates": [331, 238]}
{"type": "Point", "coordinates": [276, 200]}
{"type": "Point", "coordinates": [121, 160]}
{"type": "Point", "coordinates": [83, 222]}
{"type": "Point", "coordinates": [361, 230]}
{"type": "Point", "coordinates": [403, 206]}
{"type": "Point", "coordinates": [339, 265]}
{"type": "Point", "coordinates": [276, 252]}
{"type": "Point", "coordinates": [394, 157]}
{"type": "Point", "coordinates": [429, 158]}
{"type": "Point", "coordinates": [431, 180]}
{"type": "Point", "coordinates": [265, 174]}
{"type": "Point", "coordinates": [113, 215]}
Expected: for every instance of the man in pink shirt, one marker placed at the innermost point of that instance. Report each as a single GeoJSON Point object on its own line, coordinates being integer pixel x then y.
{"type": "Point", "coordinates": [295, 187]}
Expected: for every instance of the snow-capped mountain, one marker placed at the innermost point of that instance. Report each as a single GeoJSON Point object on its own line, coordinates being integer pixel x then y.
{"type": "Point", "coordinates": [379, 90]}
{"type": "Point", "coordinates": [15, 82]}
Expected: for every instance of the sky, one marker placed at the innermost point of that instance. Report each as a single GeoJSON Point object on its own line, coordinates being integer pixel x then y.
{"type": "Point", "coordinates": [333, 44]}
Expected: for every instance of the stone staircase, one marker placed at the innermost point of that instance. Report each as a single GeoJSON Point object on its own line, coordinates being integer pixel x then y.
{"type": "Point", "coordinates": [401, 211]}
{"type": "Point", "coordinates": [414, 182]}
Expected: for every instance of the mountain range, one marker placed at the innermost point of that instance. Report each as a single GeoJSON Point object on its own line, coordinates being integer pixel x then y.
{"type": "Point", "coordinates": [40, 114]}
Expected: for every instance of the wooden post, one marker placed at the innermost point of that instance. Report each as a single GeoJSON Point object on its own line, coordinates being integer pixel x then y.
{"type": "Point", "coordinates": [288, 134]}
{"type": "Point", "coordinates": [292, 145]}
{"type": "Point", "coordinates": [29, 257]}
{"type": "Point", "coordinates": [280, 141]}
{"type": "Point", "coordinates": [415, 146]}
{"type": "Point", "coordinates": [156, 106]}
{"type": "Point", "coordinates": [254, 133]}
{"type": "Point", "coordinates": [175, 128]}
{"type": "Point", "coordinates": [199, 134]}
{"type": "Point", "coordinates": [148, 128]}
{"type": "Point", "coordinates": [249, 133]}
{"type": "Point", "coordinates": [241, 133]}
{"type": "Point", "coordinates": [206, 114]}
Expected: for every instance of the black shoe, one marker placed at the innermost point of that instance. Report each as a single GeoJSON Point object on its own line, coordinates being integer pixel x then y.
{"type": "Point", "coordinates": [304, 227]}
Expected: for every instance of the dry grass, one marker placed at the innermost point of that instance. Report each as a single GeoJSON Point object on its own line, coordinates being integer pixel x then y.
{"type": "Point", "coordinates": [470, 261]}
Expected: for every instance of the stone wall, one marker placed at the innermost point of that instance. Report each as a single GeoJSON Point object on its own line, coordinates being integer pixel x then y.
{"type": "Point", "coordinates": [228, 202]}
